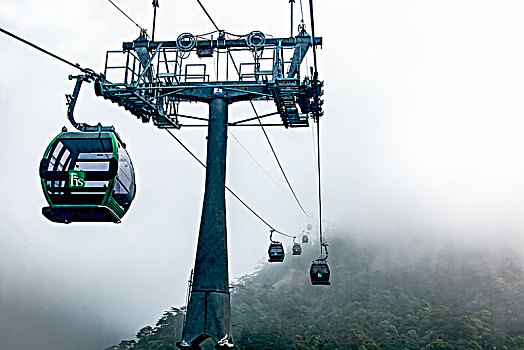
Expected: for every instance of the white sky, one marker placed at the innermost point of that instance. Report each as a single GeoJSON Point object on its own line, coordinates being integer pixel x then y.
{"type": "Point", "coordinates": [422, 133]}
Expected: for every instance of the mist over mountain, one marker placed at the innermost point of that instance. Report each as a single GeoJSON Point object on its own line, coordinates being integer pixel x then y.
{"type": "Point", "coordinates": [29, 321]}
{"type": "Point", "coordinates": [385, 294]}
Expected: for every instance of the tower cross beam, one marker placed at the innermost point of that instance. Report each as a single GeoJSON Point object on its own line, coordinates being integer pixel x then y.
{"type": "Point", "coordinates": [222, 44]}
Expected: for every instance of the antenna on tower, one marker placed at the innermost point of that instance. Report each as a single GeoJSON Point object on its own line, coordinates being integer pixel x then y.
{"type": "Point", "coordinates": [155, 5]}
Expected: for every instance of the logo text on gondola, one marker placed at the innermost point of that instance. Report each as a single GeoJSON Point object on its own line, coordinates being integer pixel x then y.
{"type": "Point", "coordinates": [76, 179]}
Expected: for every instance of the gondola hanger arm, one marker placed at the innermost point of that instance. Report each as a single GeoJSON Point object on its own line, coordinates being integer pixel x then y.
{"type": "Point", "coordinates": [271, 231]}
{"type": "Point", "coordinates": [71, 103]}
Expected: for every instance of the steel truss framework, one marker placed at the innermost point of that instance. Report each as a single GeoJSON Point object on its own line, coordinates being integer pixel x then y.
{"type": "Point", "coordinates": [155, 77]}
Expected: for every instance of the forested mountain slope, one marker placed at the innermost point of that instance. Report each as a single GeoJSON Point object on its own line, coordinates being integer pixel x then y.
{"type": "Point", "coordinates": [382, 296]}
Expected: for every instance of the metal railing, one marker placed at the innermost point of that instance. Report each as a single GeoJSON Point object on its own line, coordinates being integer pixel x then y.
{"type": "Point", "coordinates": [168, 67]}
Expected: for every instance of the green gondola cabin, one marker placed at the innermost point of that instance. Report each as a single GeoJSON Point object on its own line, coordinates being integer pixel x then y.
{"type": "Point", "coordinates": [87, 177]}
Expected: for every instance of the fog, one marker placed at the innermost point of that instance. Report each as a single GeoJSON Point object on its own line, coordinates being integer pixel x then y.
{"type": "Point", "coordinates": [421, 139]}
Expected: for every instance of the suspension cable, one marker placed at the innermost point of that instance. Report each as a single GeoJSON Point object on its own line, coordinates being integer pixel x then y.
{"type": "Point", "coordinates": [284, 234]}
{"type": "Point", "coordinates": [319, 189]}
{"type": "Point", "coordinates": [313, 34]}
{"type": "Point", "coordinates": [322, 244]}
{"type": "Point", "coordinates": [314, 145]}
{"type": "Point", "coordinates": [75, 65]}
{"type": "Point", "coordinates": [258, 118]}
{"type": "Point", "coordinates": [208, 16]}
{"type": "Point", "coordinates": [301, 11]}
{"type": "Point", "coordinates": [257, 163]}
{"type": "Point", "coordinates": [228, 51]}
{"type": "Point", "coordinates": [302, 19]}
{"type": "Point", "coordinates": [125, 14]}
{"type": "Point", "coordinates": [278, 161]}
{"type": "Point", "coordinates": [227, 188]}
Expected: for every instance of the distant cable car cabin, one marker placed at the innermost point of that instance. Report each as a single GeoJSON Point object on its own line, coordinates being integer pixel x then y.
{"type": "Point", "coordinates": [87, 177]}
{"type": "Point", "coordinates": [319, 273]}
{"type": "Point", "coordinates": [276, 252]}
{"type": "Point", "coordinates": [305, 239]}
{"type": "Point", "coordinates": [297, 249]}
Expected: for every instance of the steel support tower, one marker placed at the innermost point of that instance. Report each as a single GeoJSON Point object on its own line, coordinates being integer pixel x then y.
{"type": "Point", "coordinates": [208, 311]}
{"type": "Point", "coordinates": [152, 78]}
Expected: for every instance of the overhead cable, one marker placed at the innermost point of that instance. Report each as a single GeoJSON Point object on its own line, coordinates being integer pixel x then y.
{"type": "Point", "coordinates": [284, 234]}
{"type": "Point", "coordinates": [319, 190]}
{"type": "Point", "coordinates": [227, 188]}
{"type": "Point", "coordinates": [278, 161]}
{"type": "Point", "coordinates": [313, 34]}
{"type": "Point", "coordinates": [259, 165]}
{"type": "Point", "coordinates": [258, 118]}
{"type": "Point", "coordinates": [75, 65]}
{"type": "Point", "coordinates": [314, 145]}
{"type": "Point", "coordinates": [208, 16]}
{"type": "Point", "coordinates": [125, 14]}
{"type": "Point", "coordinates": [301, 11]}
{"type": "Point", "coordinates": [228, 51]}
{"type": "Point", "coordinates": [322, 244]}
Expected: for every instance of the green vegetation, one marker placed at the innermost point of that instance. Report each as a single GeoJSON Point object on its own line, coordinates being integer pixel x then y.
{"type": "Point", "coordinates": [382, 296]}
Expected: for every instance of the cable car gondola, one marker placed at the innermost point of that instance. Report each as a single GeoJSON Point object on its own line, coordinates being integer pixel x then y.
{"type": "Point", "coordinates": [276, 249]}
{"type": "Point", "coordinates": [276, 252]}
{"type": "Point", "coordinates": [87, 177]}
{"type": "Point", "coordinates": [297, 249]}
{"type": "Point", "coordinates": [305, 239]}
{"type": "Point", "coordinates": [319, 273]}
